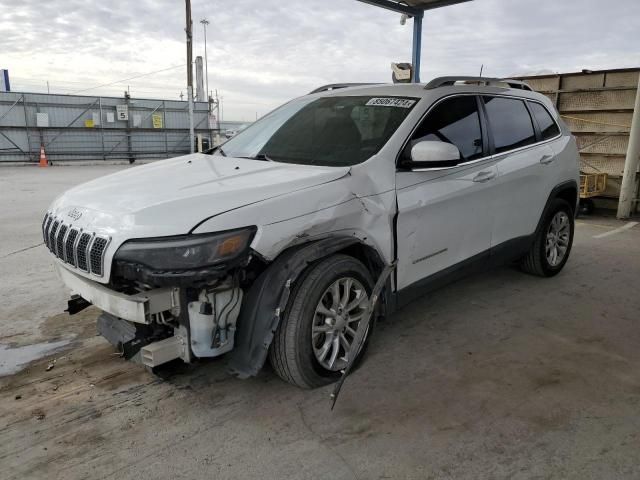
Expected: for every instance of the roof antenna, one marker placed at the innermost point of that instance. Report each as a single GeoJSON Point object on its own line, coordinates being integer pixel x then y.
{"type": "Point", "coordinates": [481, 68]}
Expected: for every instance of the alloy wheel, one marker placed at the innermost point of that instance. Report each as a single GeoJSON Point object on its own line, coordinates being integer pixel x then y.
{"type": "Point", "coordinates": [337, 318]}
{"type": "Point", "coordinates": [557, 241]}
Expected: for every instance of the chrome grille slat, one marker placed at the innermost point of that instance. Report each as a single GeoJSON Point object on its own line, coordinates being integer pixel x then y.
{"type": "Point", "coordinates": [96, 254]}
{"type": "Point", "coordinates": [46, 232]}
{"type": "Point", "coordinates": [75, 248]}
{"type": "Point", "coordinates": [52, 236]}
{"type": "Point", "coordinates": [83, 250]}
{"type": "Point", "coordinates": [60, 237]}
{"type": "Point", "coordinates": [69, 243]}
{"type": "Point", "coordinates": [44, 228]}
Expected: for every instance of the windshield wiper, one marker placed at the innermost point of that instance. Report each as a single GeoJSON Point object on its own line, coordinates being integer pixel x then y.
{"type": "Point", "coordinates": [214, 149]}
{"type": "Point", "coordinates": [260, 156]}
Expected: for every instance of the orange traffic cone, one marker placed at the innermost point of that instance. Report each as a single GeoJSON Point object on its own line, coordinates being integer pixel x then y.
{"type": "Point", "coordinates": [43, 158]}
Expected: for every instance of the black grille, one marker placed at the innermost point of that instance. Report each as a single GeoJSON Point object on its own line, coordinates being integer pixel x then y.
{"type": "Point", "coordinates": [83, 243]}
{"type": "Point", "coordinates": [52, 236]}
{"type": "Point", "coordinates": [62, 231]}
{"type": "Point", "coordinates": [68, 246]}
{"type": "Point", "coordinates": [83, 250]}
{"type": "Point", "coordinates": [95, 255]}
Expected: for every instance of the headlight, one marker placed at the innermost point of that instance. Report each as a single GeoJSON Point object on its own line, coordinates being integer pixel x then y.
{"type": "Point", "coordinates": [187, 251]}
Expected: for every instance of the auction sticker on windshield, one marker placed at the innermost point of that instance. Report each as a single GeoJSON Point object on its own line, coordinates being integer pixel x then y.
{"type": "Point", "coordinates": [390, 102]}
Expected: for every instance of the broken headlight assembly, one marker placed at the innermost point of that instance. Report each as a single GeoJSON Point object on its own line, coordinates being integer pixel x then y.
{"type": "Point", "coordinates": [186, 252]}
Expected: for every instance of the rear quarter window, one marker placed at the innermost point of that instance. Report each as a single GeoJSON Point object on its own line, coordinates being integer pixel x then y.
{"type": "Point", "coordinates": [510, 123]}
{"type": "Point", "coordinates": [547, 125]}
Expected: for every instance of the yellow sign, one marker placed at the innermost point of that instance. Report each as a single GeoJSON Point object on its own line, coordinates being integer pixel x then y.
{"type": "Point", "coordinates": [157, 120]}
{"type": "Point", "coordinates": [88, 123]}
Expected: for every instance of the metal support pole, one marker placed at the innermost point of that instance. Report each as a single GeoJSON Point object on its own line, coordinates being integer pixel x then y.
{"type": "Point", "coordinates": [189, 74]}
{"type": "Point", "coordinates": [186, 136]}
{"type": "Point", "coordinates": [191, 131]}
{"type": "Point", "coordinates": [631, 163]}
{"type": "Point", "coordinates": [217, 111]}
{"type": "Point", "coordinates": [417, 47]}
{"type": "Point", "coordinates": [164, 126]}
{"type": "Point", "coordinates": [104, 157]}
{"type": "Point", "coordinates": [189, 43]}
{"type": "Point", "coordinates": [127, 97]}
{"type": "Point", "coordinates": [26, 123]}
{"type": "Point", "coordinates": [204, 23]}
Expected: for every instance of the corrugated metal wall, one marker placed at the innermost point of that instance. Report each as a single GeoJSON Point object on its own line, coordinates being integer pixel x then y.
{"type": "Point", "coordinates": [69, 138]}
{"type": "Point", "coordinates": [597, 106]}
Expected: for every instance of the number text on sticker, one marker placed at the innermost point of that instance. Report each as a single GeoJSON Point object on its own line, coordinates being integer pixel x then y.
{"type": "Point", "coordinates": [390, 102]}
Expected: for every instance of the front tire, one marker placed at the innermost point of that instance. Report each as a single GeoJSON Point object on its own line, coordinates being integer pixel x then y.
{"type": "Point", "coordinates": [326, 306]}
{"type": "Point", "coordinates": [551, 248]}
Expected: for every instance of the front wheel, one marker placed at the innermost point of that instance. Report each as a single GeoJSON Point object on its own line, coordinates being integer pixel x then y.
{"type": "Point", "coordinates": [316, 335]}
{"type": "Point", "coordinates": [551, 248]}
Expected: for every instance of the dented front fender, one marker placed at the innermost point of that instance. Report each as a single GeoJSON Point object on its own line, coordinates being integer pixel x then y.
{"type": "Point", "coordinates": [265, 302]}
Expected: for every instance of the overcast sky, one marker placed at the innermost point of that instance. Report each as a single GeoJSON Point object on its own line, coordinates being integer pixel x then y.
{"type": "Point", "coordinates": [263, 52]}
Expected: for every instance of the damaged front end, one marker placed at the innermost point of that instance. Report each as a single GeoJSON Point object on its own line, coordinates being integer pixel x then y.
{"type": "Point", "coordinates": [222, 289]}
{"type": "Point", "coordinates": [235, 309]}
{"type": "Point", "coordinates": [171, 297]}
{"type": "Point", "coordinates": [202, 325]}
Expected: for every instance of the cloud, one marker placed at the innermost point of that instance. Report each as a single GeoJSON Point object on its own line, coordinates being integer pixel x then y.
{"type": "Point", "coordinates": [263, 52]}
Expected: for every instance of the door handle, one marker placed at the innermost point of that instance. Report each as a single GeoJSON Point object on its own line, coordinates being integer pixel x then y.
{"type": "Point", "coordinates": [484, 176]}
{"type": "Point", "coordinates": [546, 159]}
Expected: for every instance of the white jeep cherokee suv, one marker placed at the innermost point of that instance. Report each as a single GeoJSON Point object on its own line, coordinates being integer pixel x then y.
{"type": "Point", "coordinates": [270, 245]}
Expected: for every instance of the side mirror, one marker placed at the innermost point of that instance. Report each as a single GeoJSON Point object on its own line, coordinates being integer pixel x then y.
{"type": "Point", "coordinates": [433, 154]}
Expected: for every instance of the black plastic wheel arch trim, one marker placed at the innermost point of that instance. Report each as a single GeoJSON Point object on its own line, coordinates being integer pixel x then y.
{"type": "Point", "coordinates": [266, 300]}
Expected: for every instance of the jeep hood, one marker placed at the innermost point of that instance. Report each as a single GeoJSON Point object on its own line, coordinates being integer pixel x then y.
{"type": "Point", "coordinates": [171, 197]}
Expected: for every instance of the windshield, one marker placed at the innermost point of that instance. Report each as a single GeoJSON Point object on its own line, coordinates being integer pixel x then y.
{"type": "Point", "coordinates": [329, 131]}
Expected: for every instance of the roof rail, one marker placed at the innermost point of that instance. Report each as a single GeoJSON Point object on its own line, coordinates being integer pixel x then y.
{"type": "Point", "coordinates": [335, 86]}
{"type": "Point", "coordinates": [494, 82]}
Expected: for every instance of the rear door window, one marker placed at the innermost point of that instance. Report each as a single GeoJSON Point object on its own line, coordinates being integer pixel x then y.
{"type": "Point", "coordinates": [510, 123]}
{"type": "Point", "coordinates": [455, 120]}
{"type": "Point", "coordinates": [547, 125]}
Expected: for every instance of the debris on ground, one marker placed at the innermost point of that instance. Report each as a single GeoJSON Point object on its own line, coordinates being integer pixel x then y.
{"type": "Point", "coordinates": [39, 414]}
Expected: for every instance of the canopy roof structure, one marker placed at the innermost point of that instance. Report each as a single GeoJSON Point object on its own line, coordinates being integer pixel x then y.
{"type": "Point", "coordinates": [415, 9]}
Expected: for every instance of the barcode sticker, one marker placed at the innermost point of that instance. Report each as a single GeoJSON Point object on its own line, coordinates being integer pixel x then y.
{"type": "Point", "coordinates": [390, 102]}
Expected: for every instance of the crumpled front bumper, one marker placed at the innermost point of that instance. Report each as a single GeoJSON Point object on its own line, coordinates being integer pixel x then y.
{"type": "Point", "coordinates": [136, 308]}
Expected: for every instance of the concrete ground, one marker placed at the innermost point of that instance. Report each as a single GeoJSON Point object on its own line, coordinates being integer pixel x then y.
{"type": "Point", "coordinates": [501, 375]}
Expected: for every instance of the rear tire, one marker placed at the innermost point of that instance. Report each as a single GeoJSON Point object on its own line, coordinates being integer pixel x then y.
{"type": "Point", "coordinates": [552, 245]}
{"type": "Point", "coordinates": [314, 326]}
{"type": "Point", "coordinates": [586, 206]}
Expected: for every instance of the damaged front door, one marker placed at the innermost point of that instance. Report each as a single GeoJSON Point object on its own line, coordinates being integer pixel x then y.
{"type": "Point", "coordinates": [445, 214]}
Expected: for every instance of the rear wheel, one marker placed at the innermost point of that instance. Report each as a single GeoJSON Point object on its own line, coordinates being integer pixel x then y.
{"type": "Point", "coordinates": [324, 312]}
{"type": "Point", "coordinates": [586, 206]}
{"type": "Point", "coordinates": [551, 248]}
